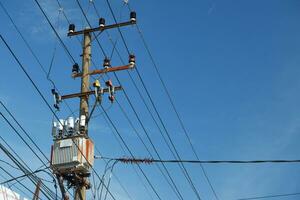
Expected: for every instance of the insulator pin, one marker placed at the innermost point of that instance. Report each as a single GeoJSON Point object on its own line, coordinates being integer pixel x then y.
{"type": "Point", "coordinates": [106, 63]}
{"type": "Point", "coordinates": [71, 28]}
{"type": "Point", "coordinates": [133, 16]}
{"type": "Point", "coordinates": [131, 59]}
{"type": "Point", "coordinates": [101, 22]}
{"type": "Point", "coordinates": [75, 69]}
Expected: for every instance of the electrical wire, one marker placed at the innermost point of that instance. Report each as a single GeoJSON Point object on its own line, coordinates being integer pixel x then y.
{"type": "Point", "coordinates": [24, 175]}
{"type": "Point", "coordinates": [185, 172]}
{"type": "Point", "coordinates": [173, 104]}
{"type": "Point", "coordinates": [172, 184]}
{"type": "Point", "coordinates": [45, 101]}
{"type": "Point", "coordinates": [82, 11]}
{"type": "Point", "coordinates": [6, 120]}
{"type": "Point", "coordinates": [63, 14]}
{"type": "Point", "coordinates": [128, 149]}
{"type": "Point", "coordinates": [271, 196]}
{"type": "Point", "coordinates": [103, 54]}
{"type": "Point", "coordinates": [57, 35]}
{"type": "Point", "coordinates": [117, 179]}
{"type": "Point", "coordinates": [34, 54]}
{"type": "Point", "coordinates": [7, 163]}
{"type": "Point", "coordinates": [32, 178]}
{"type": "Point", "coordinates": [174, 187]}
{"type": "Point", "coordinates": [23, 185]}
{"type": "Point", "coordinates": [21, 137]}
{"type": "Point", "coordinates": [150, 160]}
{"type": "Point", "coordinates": [16, 187]}
{"type": "Point", "coordinates": [24, 131]}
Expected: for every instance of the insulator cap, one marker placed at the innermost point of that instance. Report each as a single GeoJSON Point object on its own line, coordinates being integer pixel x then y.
{"type": "Point", "coordinates": [111, 98]}
{"type": "Point", "coordinates": [132, 59]}
{"type": "Point", "coordinates": [75, 68]}
{"type": "Point", "coordinates": [96, 84]}
{"type": "Point", "coordinates": [109, 83]}
{"type": "Point", "coordinates": [106, 63]}
{"type": "Point", "coordinates": [133, 16]}
{"type": "Point", "coordinates": [71, 28]}
{"type": "Point", "coordinates": [101, 22]}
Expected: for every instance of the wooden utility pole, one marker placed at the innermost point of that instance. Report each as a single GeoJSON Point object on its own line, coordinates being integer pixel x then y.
{"type": "Point", "coordinates": [36, 195]}
{"type": "Point", "coordinates": [85, 78]}
{"type": "Point", "coordinates": [78, 177]}
{"type": "Point", "coordinates": [80, 190]}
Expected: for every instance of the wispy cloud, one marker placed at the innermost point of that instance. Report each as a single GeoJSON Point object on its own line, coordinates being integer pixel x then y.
{"type": "Point", "coordinates": [37, 25]}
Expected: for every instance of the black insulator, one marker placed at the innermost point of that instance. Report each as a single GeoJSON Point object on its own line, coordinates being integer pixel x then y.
{"type": "Point", "coordinates": [131, 59]}
{"type": "Point", "coordinates": [133, 16]}
{"type": "Point", "coordinates": [106, 62]}
{"type": "Point", "coordinates": [75, 68]}
{"type": "Point", "coordinates": [71, 28]}
{"type": "Point", "coordinates": [101, 22]}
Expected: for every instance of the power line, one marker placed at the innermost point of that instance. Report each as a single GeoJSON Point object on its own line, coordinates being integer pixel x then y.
{"type": "Point", "coordinates": [57, 35]}
{"type": "Point", "coordinates": [105, 55]}
{"type": "Point", "coordinates": [174, 187]}
{"type": "Point", "coordinates": [124, 151]}
{"type": "Point", "coordinates": [6, 120]}
{"type": "Point", "coordinates": [173, 105]}
{"type": "Point", "coordinates": [23, 185]}
{"type": "Point", "coordinates": [45, 101]}
{"type": "Point", "coordinates": [33, 53]}
{"type": "Point", "coordinates": [30, 138]}
{"type": "Point", "coordinates": [118, 180]}
{"type": "Point", "coordinates": [16, 187]}
{"type": "Point", "coordinates": [271, 196]}
{"type": "Point", "coordinates": [177, 192]}
{"type": "Point", "coordinates": [185, 172]}
{"type": "Point", "coordinates": [150, 160]}
{"type": "Point", "coordinates": [126, 146]}
{"type": "Point", "coordinates": [46, 191]}
{"type": "Point", "coordinates": [102, 50]}
{"type": "Point", "coordinates": [24, 175]}
{"type": "Point", "coordinates": [65, 17]}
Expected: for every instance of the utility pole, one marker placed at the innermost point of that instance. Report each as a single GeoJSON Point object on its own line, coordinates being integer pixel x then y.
{"type": "Point", "coordinates": [85, 79]}
{"type": "Point", "coordinates": [70, 137]}
{"type": "Point", "coordinates": [36, 195]}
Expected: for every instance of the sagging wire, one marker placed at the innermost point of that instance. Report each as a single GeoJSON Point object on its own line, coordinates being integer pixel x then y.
{"type": "Point", "coordinates": [93, 188]}
{"type": "Point", "coordinates": [60, 10]}
{"type": "Point", "coordinates": [18, 182]}
{"type": "Point", "coordinates": [10, 186]}
{"type": "Point", "coordinates": [101, 113]}
{"type": "Point", "coordinates": [107, 168]}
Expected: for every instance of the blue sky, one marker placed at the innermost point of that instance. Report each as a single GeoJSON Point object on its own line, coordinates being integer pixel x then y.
{"type": "Point", "coordinates": [230, 66]}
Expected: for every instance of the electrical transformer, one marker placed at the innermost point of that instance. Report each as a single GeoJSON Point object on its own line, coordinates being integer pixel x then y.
{"type": "Point", "coordinates": [74, 154]}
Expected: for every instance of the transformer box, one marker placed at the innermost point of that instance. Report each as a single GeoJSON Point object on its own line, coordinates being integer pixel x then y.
{"type": "Point", "coordinates": [74, 154]}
